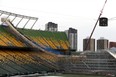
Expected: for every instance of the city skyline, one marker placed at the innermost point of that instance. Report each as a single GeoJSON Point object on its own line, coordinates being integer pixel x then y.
{"type": "Point", "coordinates": [78, 14]}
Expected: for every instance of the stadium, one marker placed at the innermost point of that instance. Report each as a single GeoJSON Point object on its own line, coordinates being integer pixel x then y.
{"type": "Point", "coordinates": [28, 51]}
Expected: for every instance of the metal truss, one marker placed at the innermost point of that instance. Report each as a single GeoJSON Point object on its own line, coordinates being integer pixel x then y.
{"type": "Point", "coordinates": [19, 16]}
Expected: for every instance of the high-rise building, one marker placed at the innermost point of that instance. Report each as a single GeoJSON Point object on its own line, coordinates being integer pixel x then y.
{"type": "Point", "coordinates": [50, 26]}
{"type": "Point", "coordinates": [102, 44]}
{"type": "Point", "coordinates": [72, 36]}
{"type": "Point", "coordinates": [91, 44]}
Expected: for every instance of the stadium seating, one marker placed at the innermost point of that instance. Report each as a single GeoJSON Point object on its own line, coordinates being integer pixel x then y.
{"type": "Point", "coordinates": [54, 40]}
{"type": "Point", "coordinates": [28, 51]}
{"type": "Point", "coordinates": [9, 40]}
{"type": "Point", "coordinates": [20, 61]}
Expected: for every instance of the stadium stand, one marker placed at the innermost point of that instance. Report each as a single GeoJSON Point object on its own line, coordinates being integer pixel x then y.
{"type": "Point", "coordinates": [21, 62]}
{"type": "Point", "coordinates": [8, 39]}
{"type": "Point", "coordinates": [26, 51]}
{"type": "Point", "coordinates": [55, 40]}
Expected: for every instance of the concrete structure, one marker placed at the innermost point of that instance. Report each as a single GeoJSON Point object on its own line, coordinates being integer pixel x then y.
{"type": "Point", "coordinates": [72, 36]}
{"type": "Point", "coordinates": [102, 43]}
{"type": "Point", "coordinates": [102, 62]}
{"type": "Point", "coordinates": [50, 26]}
{"type": "Point", "coordinates": [91, 45]}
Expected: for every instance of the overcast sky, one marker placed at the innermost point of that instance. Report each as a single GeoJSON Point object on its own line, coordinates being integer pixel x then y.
{"type": "Point", "coordinates": [78, 14]}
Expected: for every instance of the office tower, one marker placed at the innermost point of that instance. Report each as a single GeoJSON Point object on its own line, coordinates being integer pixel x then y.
{"type": "Point", "coordinates": [72, 36]}
{"type": "Point", "coordinates": [91, 44]}
{"type": "Point", "coordinates": [102, 44]}
{"type": "Point", "coordinates": [50, 26]}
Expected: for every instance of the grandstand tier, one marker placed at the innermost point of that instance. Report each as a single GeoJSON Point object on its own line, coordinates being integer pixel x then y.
{"type": "Point", "coordinates": [24, 37]}
{"type": "Point", "coordinates": [20, 62]}
{"type": "Point", "coordinates": [54, 40]}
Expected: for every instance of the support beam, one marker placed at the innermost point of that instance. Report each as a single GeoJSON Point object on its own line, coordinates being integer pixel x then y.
{"type": "Point", "coordinates": [19, 22]}
{"type": "Point", "coordinates": [26, 23]}
{"type": "Point", "coordinates": [34, 24]}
